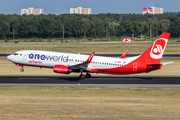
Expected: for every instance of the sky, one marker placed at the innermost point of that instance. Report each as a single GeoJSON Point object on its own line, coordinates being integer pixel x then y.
{"type": "Point", "coordinates": [98, 6]}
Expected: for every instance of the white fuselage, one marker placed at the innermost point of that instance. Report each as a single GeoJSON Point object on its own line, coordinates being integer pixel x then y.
{"type": "Point", "coordinates": [49, 59]}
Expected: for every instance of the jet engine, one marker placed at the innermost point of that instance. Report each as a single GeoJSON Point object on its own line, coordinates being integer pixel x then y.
{"type": "Point", "coordinates": [61, 69]}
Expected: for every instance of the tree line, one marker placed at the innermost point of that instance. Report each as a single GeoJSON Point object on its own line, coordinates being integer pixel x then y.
{"type": "Point", "coordinates": [76, 25]}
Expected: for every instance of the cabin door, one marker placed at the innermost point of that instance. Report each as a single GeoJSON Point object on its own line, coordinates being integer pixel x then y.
{"type": "Point", "coordinates": [24, 56]}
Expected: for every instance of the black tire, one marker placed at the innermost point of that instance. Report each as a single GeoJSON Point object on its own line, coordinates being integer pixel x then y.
{"type": "Point", "coordinates": [81, 76]}
{"type": "Point", "coordinates": [88, 75]}
{"type": "Point", "coordinates": [22, 70]}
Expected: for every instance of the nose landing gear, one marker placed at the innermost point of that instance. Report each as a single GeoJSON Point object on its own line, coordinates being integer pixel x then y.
{"type": "Point", "coordinates": [22, 70]}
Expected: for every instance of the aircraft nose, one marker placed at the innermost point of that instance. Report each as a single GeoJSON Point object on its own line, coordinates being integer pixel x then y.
{"type": "Point", "coordinates": [9, 57]}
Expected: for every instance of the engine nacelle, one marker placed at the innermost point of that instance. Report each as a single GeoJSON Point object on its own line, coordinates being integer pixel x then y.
{"type": "Point", "coordinates": [61, 69]}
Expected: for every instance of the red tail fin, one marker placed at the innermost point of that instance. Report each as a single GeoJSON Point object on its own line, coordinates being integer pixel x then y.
{"type": "Point", "coordinates": [155, 52]}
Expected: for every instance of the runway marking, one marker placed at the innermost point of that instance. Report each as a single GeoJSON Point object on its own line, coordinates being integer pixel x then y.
{"type": "Point", "coordinates": [32, 78]}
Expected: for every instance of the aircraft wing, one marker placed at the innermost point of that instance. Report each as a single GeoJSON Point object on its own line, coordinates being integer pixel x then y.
{"type": "Point", "coordinates": [84, 65]}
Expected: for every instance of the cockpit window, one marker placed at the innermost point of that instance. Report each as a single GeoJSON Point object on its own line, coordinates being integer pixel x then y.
{"type": "Point", "coordinates": [15, 53]}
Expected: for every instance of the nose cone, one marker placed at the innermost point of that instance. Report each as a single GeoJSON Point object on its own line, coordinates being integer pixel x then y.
{"type": "Point", "coordinates": [9, 57]}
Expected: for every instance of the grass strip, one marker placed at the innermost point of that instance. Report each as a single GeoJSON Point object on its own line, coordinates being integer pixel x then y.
{"type": "Point", "coordinates": [89, 103]}
{"type": "Point", "coordinates": [88, 48]}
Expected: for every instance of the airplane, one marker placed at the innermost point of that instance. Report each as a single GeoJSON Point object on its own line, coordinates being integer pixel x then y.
{"type": "Point", "coordinates": [67, 63]}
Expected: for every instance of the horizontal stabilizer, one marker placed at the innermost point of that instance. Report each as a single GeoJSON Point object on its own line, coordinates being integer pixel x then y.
{"type": "Point", "coordinates": [166, 63]}
{"type": "Point", "coordinates": [159, 64]}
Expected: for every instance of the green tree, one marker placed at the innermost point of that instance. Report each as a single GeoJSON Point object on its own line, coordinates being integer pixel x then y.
{"type": "Point", "coordinates": [85, 26]}
{"type": "Point", "coordinates": [14, 27]}
{"type": "Point", "coordinates": [164, 25]}
{"type": "Point", "coordinates": [97, 29]}
{"type": "Point", "coordinates": [44, 28]}
{"type": "Point", "coordinates": [151, 27]}
{"type": "Point", "coordinates": [32, 27]}
{"type": "Point", "coordinates": [112, 27]}
{"type": "Point", "coordinates": [4, 30]}
{"type": "Point", "coordinates": [130, 27]}
{"type": "Point", "coordinates": [22, 28]}
{"type": "Point", "coordinates": [120, 30]}
{"type": "Point", "coordinates": [175, 28]}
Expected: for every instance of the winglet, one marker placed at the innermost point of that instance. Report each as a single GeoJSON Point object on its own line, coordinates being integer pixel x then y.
{"type": "Point", "coordinates": [90, 58]}
{"type": "Point", "coordinates": [124, 54]}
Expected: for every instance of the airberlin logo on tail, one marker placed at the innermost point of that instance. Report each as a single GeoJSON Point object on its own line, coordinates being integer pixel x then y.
{"type": "Point", "coordinates": [158, 48]}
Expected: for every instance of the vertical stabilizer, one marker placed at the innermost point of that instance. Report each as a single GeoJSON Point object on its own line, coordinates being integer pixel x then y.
{"type": "Point", "coordinates": [155, 52]}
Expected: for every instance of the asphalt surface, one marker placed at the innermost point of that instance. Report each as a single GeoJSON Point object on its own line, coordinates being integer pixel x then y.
{"type": "Point", "coordinates": [4, 55]}
{"type": "Point", "coordinates": [93, 81]}
{"type": "Point", "coordinates": [118, 55]}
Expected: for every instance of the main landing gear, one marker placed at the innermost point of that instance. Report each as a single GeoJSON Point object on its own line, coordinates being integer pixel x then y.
{"type": "Point", "coordinates": [88, 75]}
{"type": "Point", "coordinates": [22, 70]}
{"type": "Point", "coordinates": [82, 76]}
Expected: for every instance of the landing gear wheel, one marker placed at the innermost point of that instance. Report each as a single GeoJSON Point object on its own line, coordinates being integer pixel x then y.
{"type": "Point", "coordinates": [88, 75]}
{"type": "Point", "coordinates": [22, 70]}
{"type": "Point", "coordinates": [81, 76]}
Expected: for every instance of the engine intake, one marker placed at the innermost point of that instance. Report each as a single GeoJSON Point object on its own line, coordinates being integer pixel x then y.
{"type": "Point", "coordinates": [61, 69]}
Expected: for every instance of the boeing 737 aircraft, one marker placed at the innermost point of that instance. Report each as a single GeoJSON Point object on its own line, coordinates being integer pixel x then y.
{"type": "Point", "coordinates": [66, 63]}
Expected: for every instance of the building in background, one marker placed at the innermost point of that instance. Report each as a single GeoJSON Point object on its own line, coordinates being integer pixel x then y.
{"type": "Point", "coordinates": [153, 10]}
{"type": "Point", "coordinates": [157, 10]}
{"type": "Point", "coordinates": [31, 11]}
{"type": "Point", "coordinates": [147, 11]}
{"type": "Point", "coordinates": [80, 10]}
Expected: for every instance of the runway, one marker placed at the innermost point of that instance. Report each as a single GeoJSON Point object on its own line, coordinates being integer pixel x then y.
{"type": "Point", "coordinates": [93, 81]}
